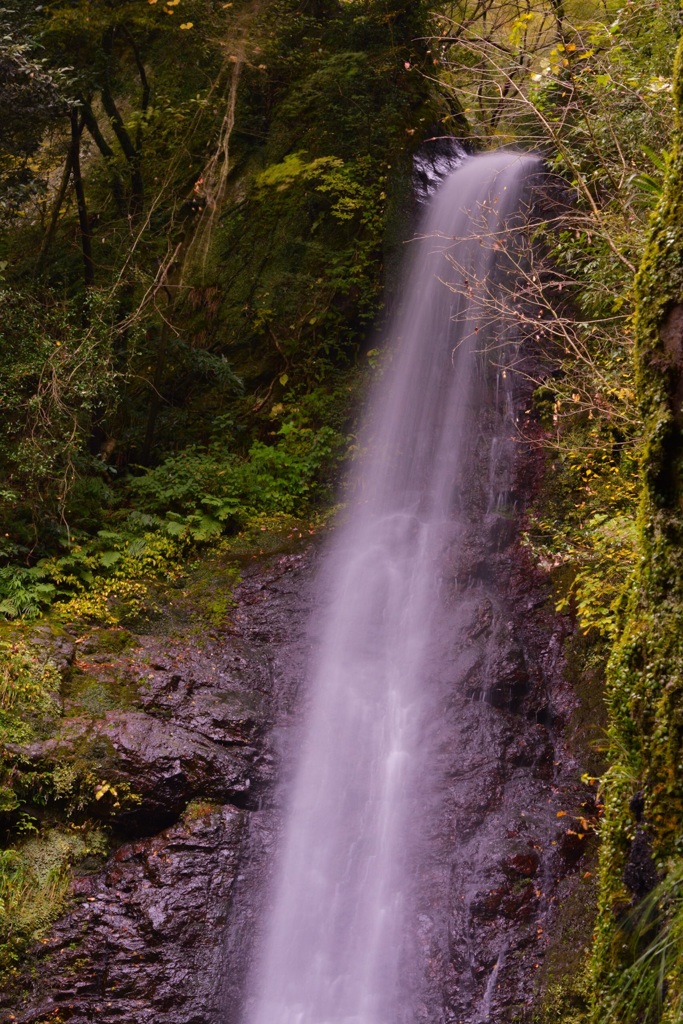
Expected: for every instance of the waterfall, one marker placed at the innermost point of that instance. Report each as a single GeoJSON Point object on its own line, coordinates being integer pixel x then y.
{"type": "Point", "coordinates": [338, 945]}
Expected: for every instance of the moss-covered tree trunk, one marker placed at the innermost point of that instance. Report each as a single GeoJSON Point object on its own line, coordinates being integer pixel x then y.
{"type": "Point", "coordinates": [643, 832]}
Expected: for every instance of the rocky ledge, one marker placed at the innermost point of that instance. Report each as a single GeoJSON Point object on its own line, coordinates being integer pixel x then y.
{"type": "Point", "coordinates": [179, 772]}
{"type": "Point", "coordinates": [164, 930]}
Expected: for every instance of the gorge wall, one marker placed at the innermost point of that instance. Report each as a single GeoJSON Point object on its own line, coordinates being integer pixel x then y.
{"type": "Point", "coordinates": [164, 930]}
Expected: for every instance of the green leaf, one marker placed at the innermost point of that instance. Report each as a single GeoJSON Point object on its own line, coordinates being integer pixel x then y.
{"type": "Point", "coordinates": [174, 528]}
{"type": "Point", "coordinates": [109, 558]}
{"type": "Point", "coordinates": [207, 529]}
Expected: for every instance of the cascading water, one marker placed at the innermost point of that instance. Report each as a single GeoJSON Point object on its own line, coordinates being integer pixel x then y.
{"type": "Point", "coordinates": [338, 946]}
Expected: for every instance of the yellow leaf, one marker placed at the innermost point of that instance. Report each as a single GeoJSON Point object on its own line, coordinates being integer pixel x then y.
{"type": "Point", "coordinates": [561, 814]}
{"type": "Point", "coordinates": [187, 24]}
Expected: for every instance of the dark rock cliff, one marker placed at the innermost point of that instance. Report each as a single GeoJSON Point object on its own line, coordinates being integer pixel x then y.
{"type": "Point", "coordinates": [144, 940]}
{"type": "Point", "coordinates": [164, 931]}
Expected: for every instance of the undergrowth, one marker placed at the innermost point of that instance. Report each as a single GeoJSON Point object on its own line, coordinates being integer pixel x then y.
{"type": "Point", "coordinates": [582, 528]}
{"type": "Point", "coordinates": [199, 500]}
{"type": "Point", "coordinates": [651, 937]}
{"type": "Point", "coordinates": [35, 861]}
{"type": "Point", "coordinates": [34, 884]}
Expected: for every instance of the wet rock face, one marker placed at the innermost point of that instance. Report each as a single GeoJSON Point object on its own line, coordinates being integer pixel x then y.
{"type": "Point", "coordinates": [141, 944]}
{"type": "Point", "coordinates": [163, 765]}
{"type": "Point", "coordinates": [192, 759]}
{"type": "Point", "coordinates": [501, 831]}
{"type": "Point", "coordinates": [164, 932]}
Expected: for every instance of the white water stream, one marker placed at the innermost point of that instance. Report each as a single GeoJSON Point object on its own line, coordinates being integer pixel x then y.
{"type": "Point", "coordinates": [335, 938]}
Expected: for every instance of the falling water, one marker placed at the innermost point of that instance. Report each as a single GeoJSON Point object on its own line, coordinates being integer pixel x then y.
{"type": "Point", "coordinates": [337, 937]}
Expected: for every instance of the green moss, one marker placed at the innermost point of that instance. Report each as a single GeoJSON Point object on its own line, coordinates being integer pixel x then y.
{"type": "Point", "coordinates": [112, 641]}
{"type": "Point", "coordinates": [96, 696]}
{"type": "Point", "coordinates": [645, 673]}
{"type": "Point", "coordinates": [34, 882]}
{"type": "Point", "coordinates": [198, 809]}
{"type": "Point", "coordinates": [565, 981]}
{"type": "Point", "coordinates": [100, 680]}
{"type": "Point", "coordinates": [585, 658]}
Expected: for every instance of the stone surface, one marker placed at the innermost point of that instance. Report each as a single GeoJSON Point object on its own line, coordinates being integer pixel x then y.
{"type": "Point", "coordinates": [164, 933]}
{"type": "Point", "coordinates": [164, 765]}
{"type": "Point", "coordinates": [145, 938]}
{"type": "Point", "coordinates": [141, 943]}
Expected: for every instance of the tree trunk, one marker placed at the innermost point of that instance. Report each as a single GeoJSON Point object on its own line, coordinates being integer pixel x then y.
{"type": "Point", "coordinates": [123, 138]}
{"type": "Point", "coordinates": [84, 225]}
{"type": "Point", "coordinates": [107, 152]}
{"type": "Point", "coordinates": [54, 215]}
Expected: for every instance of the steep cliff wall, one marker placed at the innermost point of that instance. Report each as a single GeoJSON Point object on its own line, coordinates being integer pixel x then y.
{"type": "Point", "coordinates": [638, 950]}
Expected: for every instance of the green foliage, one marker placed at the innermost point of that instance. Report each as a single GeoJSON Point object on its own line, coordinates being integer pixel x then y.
{"type": "Point", "coordinates": [34, 869]}
{"type": "Point", "coordinates": [591, 88]}
{"type": "Point", "coordinates": [591, 552]}
{"type": "Point", "coordinates": [34, 881]}
{"type": "Point", "coordinates": [300, 255]}
{"type": "Point", "coordinates": [645, 675]}
{"type": "Point", "coordinates": [29, 707]}
{"type": "Point", "coordinates": [591, 85]}
{"type": "Point", "coordinates": [203, 490]}
{"type": "Point", "coordinates": [56, 377]}
{"type": "Point", "coordinates": [649, 988]}
{"type": "Point", "coordinates": [232, 293]}
{"type": "Point", "coordinates": [28, 692]}
{"type": "Point", "coordinates": [25, 592]}
{"type": "Point", "coordinates": [30, 100]}
{"type": "Point", "coordinates": [600, 584]}
{"type": "Point", "coordinates": [187, 502]}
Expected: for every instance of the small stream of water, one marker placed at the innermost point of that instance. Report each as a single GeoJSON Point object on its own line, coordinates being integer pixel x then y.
{"type": "Point", "coordinates": [337, 938]}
